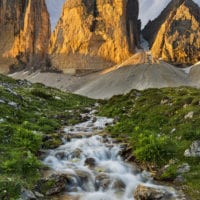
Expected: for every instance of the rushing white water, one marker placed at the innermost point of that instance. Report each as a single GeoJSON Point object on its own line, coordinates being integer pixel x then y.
{"type": "Point", "coordinates": [106, 175]}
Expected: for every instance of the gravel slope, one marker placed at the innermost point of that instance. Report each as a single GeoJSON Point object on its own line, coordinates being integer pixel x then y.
{"type": "Point", "coordinates": [141, 76]}
{"type": "Point", "coordinates": [122, 80]}
{"type": "Point", "coordinates": [194, 75]}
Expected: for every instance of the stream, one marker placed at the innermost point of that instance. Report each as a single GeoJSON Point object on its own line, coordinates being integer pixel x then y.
{"type": "Point", "coordinates": [93, 160]}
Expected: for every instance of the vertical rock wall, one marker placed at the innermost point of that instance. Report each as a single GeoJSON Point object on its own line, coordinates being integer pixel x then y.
{"type": "Point", "coordinates": [94, 34]}
{"type": "Point", "coordinates": [24, 32]}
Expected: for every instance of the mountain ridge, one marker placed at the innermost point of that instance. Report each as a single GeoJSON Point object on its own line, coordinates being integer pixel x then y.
{"type": "Point", "coordinates": [174, 34]}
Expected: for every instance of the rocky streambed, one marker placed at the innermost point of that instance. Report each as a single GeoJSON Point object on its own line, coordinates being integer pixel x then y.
{"type": "Point", "coordinates": [88, 166]}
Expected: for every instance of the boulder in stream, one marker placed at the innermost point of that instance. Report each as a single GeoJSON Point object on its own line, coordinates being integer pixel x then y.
{"type": "Point", "coordinates": [53, 184]}
{"type": "Point", "coordinates": [91, 162]}
{"type": "Point", "coordinates": [144, 192]}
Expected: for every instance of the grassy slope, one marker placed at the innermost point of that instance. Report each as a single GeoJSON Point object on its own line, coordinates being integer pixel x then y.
{"type": "Point", "coordinates": [155, 125]}
{"type": "Point", "coordinates": [27, 113]}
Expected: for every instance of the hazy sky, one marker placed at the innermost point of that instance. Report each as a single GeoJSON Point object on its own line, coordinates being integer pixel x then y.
{"type": "Point", "coordinates": [149, 9]}
{"type": "Point", "coordinates": [55, 9]}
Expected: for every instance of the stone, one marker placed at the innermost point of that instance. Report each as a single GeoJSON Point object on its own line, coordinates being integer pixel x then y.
{"type": "Point", "coordinates": [54, 184]}
{"type": "Point", "coordinates": [91, 162]}
{"type": "Point", "coordinates": [143, 192]}
{"type": "Point", "coordinates": [179, 179]}
{"type": "Point", "coordinates": [174, 36]}
{"type": "Point", "coordinates": [51, 141]}
{"type": "Point", "coordinates": [39, 195]}
{"type": "Point", "coordinates": [194, 150]}
{"type": "Point", "coordinates": [27, 195]}
{"type": "Point", "coordinates": [2, 101]}
{"type": "Point", "coordinates": [102, 181]}
{"type": "Point", "coordinates": [95, 34]}
{"type": "Point", "coordinates": [13, 104]}
{"type": "Point", "coordinates": [76, 153]}
{"type": "Point", "coordinates": [60, 155]}
{"type": "Point", "coordinates": [189, 115]}
{"type": "Point", "coordinates": [184, 168]}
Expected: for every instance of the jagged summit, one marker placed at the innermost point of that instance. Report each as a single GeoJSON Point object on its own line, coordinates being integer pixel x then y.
{"type": "Point", "coordinates": [92, 35]}
{"type": "Point", "coordinates": [175, 35]}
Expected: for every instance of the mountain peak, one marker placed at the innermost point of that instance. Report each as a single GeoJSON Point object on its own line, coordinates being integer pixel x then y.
{"type": "Point", "coordinates": [174, 35]}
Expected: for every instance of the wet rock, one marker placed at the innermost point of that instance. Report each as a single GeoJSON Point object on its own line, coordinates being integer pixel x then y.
{"type": "Point", "coordinates": [143, 192]}
{"type": "Point", "coordinates": [119, 185]}
{"type": "Point", "coordinates": [83, 175]}
{"type": "Point", "coordinates": [76, 153]}
{"type": "Point", "coordinates": [53, 184]}
{"type": "Point", "coordinates": [27, 195]}
{"type": "Point", "coordinates": [146, 176]}
{"type": "Point", "coordinates": [194, 150]}
{"type": "Point", "coordinates": [91, 162]}
{"type": "Point", "coordinates": [94, 119]}
{"type": "Point", "coordinates": [102, 181]}
{"type": "Point", "coordinates": [84, 179]}
{"type": "Point", "coordinates": [90, 124]}
{"type": "Point", "coordinates": [184, 168]}
{"type": "Point", "coordinates": [60, 155]}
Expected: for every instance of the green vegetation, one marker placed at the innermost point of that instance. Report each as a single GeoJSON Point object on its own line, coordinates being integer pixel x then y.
{"type": "Point", "coordinates": [30, 113]}
{"type": "Point", "coordinates": [159, 125]}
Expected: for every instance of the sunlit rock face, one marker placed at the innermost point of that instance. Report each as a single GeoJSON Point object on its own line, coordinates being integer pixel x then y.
{"type": "Point", "coordinates": [24, 32]}
{"type": "Point", "coordinates": [94, 34]}
{"type": "Point", "coordinates": [175, 35]}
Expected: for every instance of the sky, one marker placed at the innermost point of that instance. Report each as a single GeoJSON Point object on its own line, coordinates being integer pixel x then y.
{"type": "Point", "coordinates": [149, 9]}
{"type": "Point", "coordinates": [55, 10]}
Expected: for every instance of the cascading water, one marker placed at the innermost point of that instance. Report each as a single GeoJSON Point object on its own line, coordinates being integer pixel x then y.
{"type": "Point", "coordinates": [93, 161]}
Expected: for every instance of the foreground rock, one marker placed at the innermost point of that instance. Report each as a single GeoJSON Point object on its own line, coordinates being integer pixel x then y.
{"type": "Point", "coordinates": [92, 35]}
{"type": "Point", "coordinates": [194, 150]}
{"type": "Point", "coordinates": [175, 35]}
{"type": "Point", "coordinates": [52, 185]}
{"type": "Point", "coordinates": [149, 193]}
